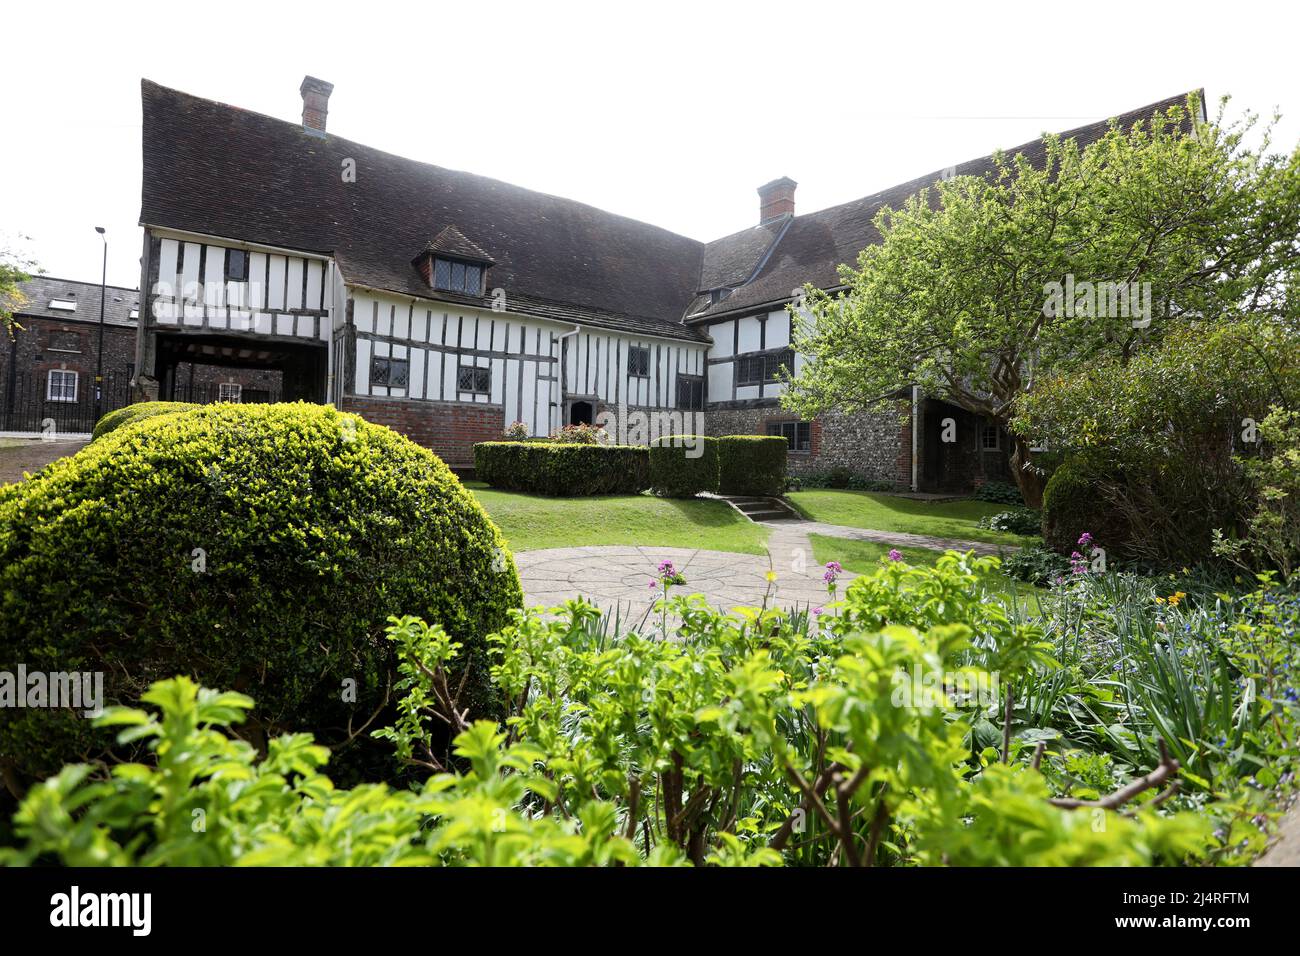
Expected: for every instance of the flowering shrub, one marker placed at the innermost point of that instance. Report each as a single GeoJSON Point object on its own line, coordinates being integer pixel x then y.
{"type": "Point", "coordinates": [516, 431]}
{"type": "Point", "coordinates": [580, 435]}
{"type": "Point", "coordinates": [1014, 521]}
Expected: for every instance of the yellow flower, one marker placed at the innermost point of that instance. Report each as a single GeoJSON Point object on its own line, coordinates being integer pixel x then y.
{"type": "Point", "coordinates": [1175, 598]}
{"type": "Point", "coordinates": [771, 575]}
{"type": "Point", "coordinates": [1160, 600]}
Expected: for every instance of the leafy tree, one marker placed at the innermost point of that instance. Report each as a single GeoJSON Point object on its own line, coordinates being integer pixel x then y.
{"type": "Point", "coordinates": [983, 284]}
{"type": "Point", "coordinates": [13, 273]}
{"type": "Point", "coordinates": [1172, 441]}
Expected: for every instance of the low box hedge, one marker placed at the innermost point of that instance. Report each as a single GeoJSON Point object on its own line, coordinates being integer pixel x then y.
{"type": "Point", "coordinates": [682, 466]}
{"type": "Point", "coordinates": [131, 414]}
{"type": "Point", "coordinates": [563, 470]}
{"type": "Point", "coordinates": [752, 464]}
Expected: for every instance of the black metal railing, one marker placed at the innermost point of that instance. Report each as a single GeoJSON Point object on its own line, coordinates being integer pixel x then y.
{"type": "Point", "coordinates": [29, 403]}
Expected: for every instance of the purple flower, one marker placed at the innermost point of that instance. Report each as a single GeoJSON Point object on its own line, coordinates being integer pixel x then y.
{"type": "Point", "coordinates": [653, 584]}
{"type": "Point", "coordinates": [895, 554]}
{"type": "Point", "coordinates": [818, 610]}
{"type": "Point", "coordinates": [1085, 539]}
{"type": "Point", "coordinates": [666, 568]}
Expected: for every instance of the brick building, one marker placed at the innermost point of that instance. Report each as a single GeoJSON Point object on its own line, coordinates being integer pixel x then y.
{"type": "Point", "coordinates": [49, 361]}
{"type": "Point", "coordinates": [448, 305]}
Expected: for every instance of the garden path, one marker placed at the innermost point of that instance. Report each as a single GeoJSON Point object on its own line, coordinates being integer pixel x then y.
{"type": "Point", "coordinates": [18, 455]}
{"type": "Point", "coordinates": [617, 577]}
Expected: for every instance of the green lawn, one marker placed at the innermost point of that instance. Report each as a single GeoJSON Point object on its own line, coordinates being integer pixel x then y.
{"type": "Point", "coordinates": [530, 522]}
{"type": "Point", "coordinates": [865, 509]}
{"type": "Point", "coordinates": [861, 557]}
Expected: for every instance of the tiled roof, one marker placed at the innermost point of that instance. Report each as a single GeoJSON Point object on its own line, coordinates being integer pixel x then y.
{"type": "Point", "coordinates": [816, 244]}
{"type": "Point", "coordinates": [218, 170]}
{"type": "Point", "coordinates": [39, 291]}
{"type": "Point", "coordinates": [451, 242]}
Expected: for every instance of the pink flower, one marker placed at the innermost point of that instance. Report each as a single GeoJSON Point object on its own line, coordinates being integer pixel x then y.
{"type": "Point", "coordinates": [895, 554]}
{"type": "Point", "coordinates": [1085, 539]}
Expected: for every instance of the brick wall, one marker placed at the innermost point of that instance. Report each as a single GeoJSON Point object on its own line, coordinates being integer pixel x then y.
{"type": "Point", "coordinates": [876, 445]}
{"type": "Point", "coordinates": [42, 344]}
{"type": "Point", "coordinates": [450, 429]}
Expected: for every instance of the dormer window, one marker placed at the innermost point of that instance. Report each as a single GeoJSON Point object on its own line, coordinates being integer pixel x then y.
{"type": "Point", "coordinates": [452, 263]}
{"type": "Point", "coordinates": [452, 275]}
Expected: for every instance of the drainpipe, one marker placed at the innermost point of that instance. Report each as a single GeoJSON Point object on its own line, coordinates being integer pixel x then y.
{"type": "Point", "coordinates": [916, 404]}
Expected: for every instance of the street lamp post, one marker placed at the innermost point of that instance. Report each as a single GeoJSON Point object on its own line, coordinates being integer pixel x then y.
{"type": "Point", "coordinates": [99, 352]}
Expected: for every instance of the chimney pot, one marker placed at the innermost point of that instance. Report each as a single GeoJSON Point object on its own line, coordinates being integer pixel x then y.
{"type": "Point", "coordinates": [315, 104]}
{"type": "Point", "coordinates": [776, 198]}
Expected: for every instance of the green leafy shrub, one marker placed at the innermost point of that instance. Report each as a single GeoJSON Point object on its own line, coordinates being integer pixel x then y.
{"type": "Point", "coordinates": [1038, 566]}
{"type": "Point", "coordinates": [751, 738]}
{"type": "Point", "coordinates": [682, 466]}
{"type": "Point", "coordinates": [136, 413]}
{"type": "Point", "coordinates": [1075, 502]}
{"type": "Point", "coordinates": [563, 470]}
{"type": "Point", "coordinates": [1272, 537]}
{"type": "Point", "coordinates": [999, 493]}
{"type": "Point", "coordinates": [1015, 521]}
{"type": "Point", "coordinates": [257, 547]}
{"type": "Point", "coordinates": [752, 464]}
{"type": "Point", "coordinates": [863, 483]}
{"type": "Point", "coordinates": [1168, 434]}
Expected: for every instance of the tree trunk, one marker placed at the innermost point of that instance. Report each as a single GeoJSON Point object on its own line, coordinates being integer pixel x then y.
{"type": "Point", "coordinates": [1028, 480]}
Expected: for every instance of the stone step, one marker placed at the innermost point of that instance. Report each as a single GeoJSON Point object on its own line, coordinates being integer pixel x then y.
{"type": "Point", "coordinates": [762, 509]}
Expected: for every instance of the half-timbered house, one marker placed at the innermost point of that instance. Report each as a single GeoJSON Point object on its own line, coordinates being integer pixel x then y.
{"type": "Point", "coordinates": [449, 305]}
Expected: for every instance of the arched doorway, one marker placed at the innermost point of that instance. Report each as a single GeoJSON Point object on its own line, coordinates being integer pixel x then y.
{"type": "Point", "coordinates": [582, 413]}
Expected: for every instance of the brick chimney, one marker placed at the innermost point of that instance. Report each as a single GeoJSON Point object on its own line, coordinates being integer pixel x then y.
{"type": "Point", "coordinates": [315, 104]}
{"type": "Point", "coordinates": [776, 198]}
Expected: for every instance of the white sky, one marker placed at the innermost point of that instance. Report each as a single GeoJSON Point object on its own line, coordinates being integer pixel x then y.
{"type": "Point", "coordinates": [669, 112]}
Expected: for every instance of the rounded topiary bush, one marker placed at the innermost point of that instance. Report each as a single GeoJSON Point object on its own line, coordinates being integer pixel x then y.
{"type": "Point", "coordinates": [1074, 502]}
{"type": "Point", "coordinates": [259, 548]}
{"type": "Point", "coordinates": [135, 413]}
{"type": "Point", "coordinates": [682, 466]}
{"type": "Point", "coordinates": [752, 464]}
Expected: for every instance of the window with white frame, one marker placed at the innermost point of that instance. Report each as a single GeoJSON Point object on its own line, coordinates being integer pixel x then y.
{"type": "Point", "coordinates": [990, 440]}
{"type": "Point", "coordinates": [61, 386]}
{"type": "Point", "coordinates": [229, 392]}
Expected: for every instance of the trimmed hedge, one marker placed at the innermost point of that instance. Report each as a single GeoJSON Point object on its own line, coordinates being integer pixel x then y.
{"type": "Point", "coordinates": [674, 473]}
{"type": "Point", "coordinates": [256, 547]}
{"type": "Point", "coordinates": [752, 464]}
{"type": "Point", "coordinates": [563, 470]}
{"type": "Point", "coordinates": [135, 413]}
{"type": "Point", "coordinates": [1075, 502]}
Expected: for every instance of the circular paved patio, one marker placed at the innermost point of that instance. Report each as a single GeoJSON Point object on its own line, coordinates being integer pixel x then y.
{"type": "Point", "coordinates": [617, 577]}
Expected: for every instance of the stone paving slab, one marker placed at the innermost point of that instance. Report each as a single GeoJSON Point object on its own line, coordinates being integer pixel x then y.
{"type": "Point", "coordinates": [619, 576]}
